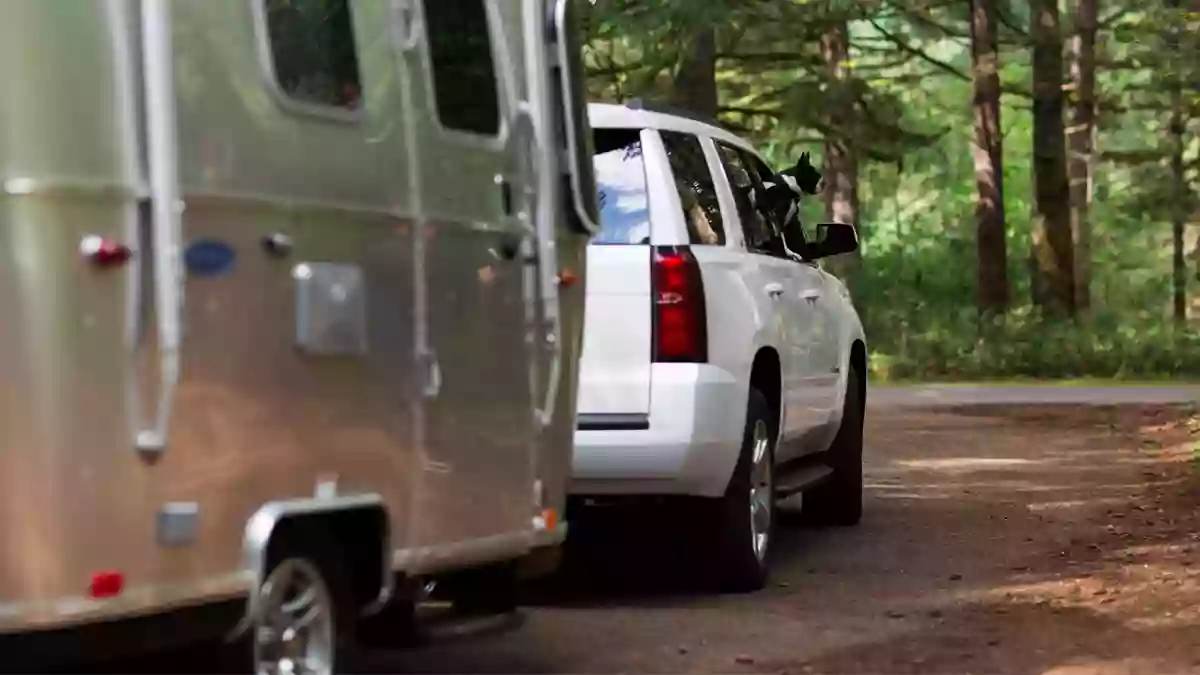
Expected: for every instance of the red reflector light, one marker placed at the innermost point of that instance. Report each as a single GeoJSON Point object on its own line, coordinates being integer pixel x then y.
{"type": "Point", "coordinates": [680, 322]}
{"type": "Point", "coordinates": [103, 252]}
{"type": "Point", "coordinates": [106, 584]}
{"type": "Point", "coordinates": [566, 277]}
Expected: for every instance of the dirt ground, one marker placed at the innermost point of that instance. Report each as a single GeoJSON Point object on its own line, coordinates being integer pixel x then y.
{"type": "Point", "coordinates": [1036, 539]}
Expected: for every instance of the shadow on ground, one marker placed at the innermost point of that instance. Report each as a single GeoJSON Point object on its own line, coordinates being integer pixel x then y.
{"type": "Point", "coordinates": [649, 559]}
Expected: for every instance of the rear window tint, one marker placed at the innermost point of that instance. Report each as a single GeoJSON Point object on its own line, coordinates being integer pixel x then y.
{"type": "Point", "coordinates": [701, 209]}
{"type": "Point", "coordinates": [621, 187]}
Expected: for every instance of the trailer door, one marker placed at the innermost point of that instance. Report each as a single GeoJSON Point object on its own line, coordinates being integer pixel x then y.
{"type": "Point", "coordinates": [281, 313]}
{"type": "Point", "coordinates": [474, 145]}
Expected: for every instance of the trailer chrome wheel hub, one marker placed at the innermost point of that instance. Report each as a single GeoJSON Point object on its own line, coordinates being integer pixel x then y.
{"type": "Point", "coordinates": [294, 632]}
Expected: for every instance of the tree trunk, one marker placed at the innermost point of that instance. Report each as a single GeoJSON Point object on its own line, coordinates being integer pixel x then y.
{"type": "Point", "coordinates": [991, 251]}
{"type": "Point", "coordinates": [1082, 137]}
{"type": "Point", "coordinates": [1052, 249]}
{"type": "Point", "coordinates": [840, 171]}
{"type": "Point", "coordinates": [695, 85]}
{"type": "Point", "coordinates": [1179, 187]}
{"type": "Point", "coordinates": [1178, 212]}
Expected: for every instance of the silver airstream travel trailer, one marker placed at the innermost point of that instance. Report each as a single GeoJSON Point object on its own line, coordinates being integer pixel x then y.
{"type": "Point", "coordinates": [290, 309]}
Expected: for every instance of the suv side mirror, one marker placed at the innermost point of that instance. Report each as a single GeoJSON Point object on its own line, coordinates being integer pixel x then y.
{"type": "Point", "coordinates": [834, 239]}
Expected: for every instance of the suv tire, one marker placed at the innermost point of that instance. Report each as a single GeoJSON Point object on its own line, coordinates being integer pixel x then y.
{"type": "Point", "coordinates": [745, 515]}
{"type": "Point", "coordinates": [839, 500]}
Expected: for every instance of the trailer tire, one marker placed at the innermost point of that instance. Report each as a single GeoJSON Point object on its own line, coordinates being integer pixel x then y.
{"type": "Point", "coordinates": [305, 609]}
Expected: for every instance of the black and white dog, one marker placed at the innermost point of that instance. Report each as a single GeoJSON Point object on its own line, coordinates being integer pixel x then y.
{"type": "Point", "coordinates": [784, 189]}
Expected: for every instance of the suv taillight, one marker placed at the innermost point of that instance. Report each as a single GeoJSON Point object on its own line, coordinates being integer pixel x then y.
{"type": "Point", "coordinates": [680, 323]}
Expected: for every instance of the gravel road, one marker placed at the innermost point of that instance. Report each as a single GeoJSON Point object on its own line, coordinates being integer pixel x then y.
{"type": "Point", "coordinates": [1022, 536]}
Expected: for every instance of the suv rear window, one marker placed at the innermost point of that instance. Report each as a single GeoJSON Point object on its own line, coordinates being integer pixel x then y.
{"type": "Point", "coordinates": [694, 181]}
{"type": "Point", "coordinates": [621, 187]}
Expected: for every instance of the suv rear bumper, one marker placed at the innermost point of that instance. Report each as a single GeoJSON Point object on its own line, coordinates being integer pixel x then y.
{"type": "Point", "coordinates": [687, 445]}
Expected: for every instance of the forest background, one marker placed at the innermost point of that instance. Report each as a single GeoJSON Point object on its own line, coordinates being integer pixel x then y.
{"type": "Point", "coordinates": [1023, 173]}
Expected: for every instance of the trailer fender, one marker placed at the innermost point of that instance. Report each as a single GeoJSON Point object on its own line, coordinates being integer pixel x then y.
{"type": "Point", "coordinates": [358, 524]}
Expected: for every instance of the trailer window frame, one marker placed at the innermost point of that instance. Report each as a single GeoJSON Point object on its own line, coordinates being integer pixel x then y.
{"type": "Point", "coordinates": [309, 108]}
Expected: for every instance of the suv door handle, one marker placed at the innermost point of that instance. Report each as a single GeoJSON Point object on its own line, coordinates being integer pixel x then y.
{"type": "Point", "coordinates": [774, 289]}
{"type": "Point", "coordinates": [811, 296]}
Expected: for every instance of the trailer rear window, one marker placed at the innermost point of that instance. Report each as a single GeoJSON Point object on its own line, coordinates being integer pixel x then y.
{"type": "Point", "coordinates": [621, 187]}
{"type": "Point", "coordinates": [313, 51]}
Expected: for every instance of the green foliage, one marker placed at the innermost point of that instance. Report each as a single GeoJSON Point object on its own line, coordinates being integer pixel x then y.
{"type": "Point", "coordinates": [922, 344]}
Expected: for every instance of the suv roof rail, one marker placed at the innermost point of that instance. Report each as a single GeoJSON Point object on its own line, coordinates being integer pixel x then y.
{"type": "Point", "coordinates": [666, 109]}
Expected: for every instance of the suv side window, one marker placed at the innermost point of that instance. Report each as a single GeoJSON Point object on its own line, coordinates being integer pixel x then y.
{"type": "Point", "coordinates": [791, 229]}
{"type": "Point", "coordinates": [758, 230]}
{"type": "Point", "coordinates": [701, 210]}
{"type": "Point", "coordinates": [464, 77]}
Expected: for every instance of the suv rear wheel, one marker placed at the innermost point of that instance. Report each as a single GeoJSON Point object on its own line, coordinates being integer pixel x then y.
{"type": "Point", "coordinates": [745, 515]}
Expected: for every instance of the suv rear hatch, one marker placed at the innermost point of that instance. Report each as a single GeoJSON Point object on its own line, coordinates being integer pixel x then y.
{"type": "Point", "coordinates": [615, 364]}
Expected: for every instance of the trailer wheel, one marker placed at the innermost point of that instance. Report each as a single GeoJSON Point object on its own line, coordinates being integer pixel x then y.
{"type": "Point", "coordinates": [296, 630]}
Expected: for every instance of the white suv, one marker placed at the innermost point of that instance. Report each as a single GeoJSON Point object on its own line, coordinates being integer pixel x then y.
{"type": "Point", "coordinates": [718, 362]}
